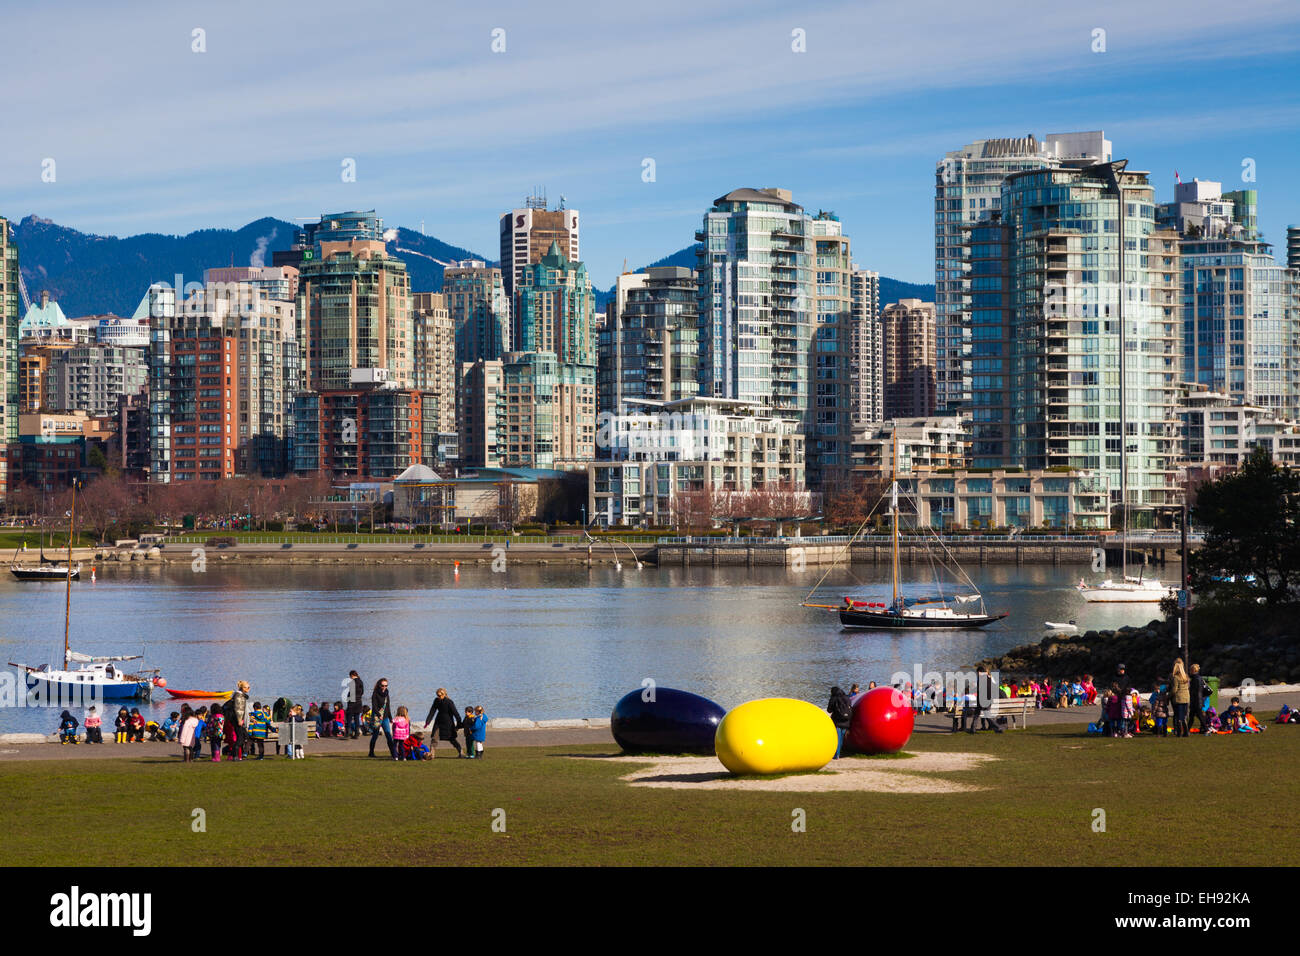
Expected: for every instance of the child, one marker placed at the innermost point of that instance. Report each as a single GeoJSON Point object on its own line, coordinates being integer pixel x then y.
{"type": "Point", "coordinates": [216, 727]}
{"type": "Point", "coordinates": [136, 726]}
{"type": "Point", "coordinates": [171, 726]}
{"type": "Point", "coordinates": [154, 730]}
{"type": "Point", "coordinates": [200, 730]}
{"type": "Point", "coordinates": [259, 728]}
{"type": "Point", "coordinates": [189, 736]}
{"type": "Point", "coordinates": [415, 747]}
{"type": "Point", "coordinates": [401, 734]}
{"type": "Point", "coordinates": [340, 720]}
{"type": "Point", "coordinates": [94, 724]}
{"type": "Point", "coordinates": [480, 730]}
{"type": "Point", "coordinates": [1231, 717]}
{"type": "Point", "coordinates": [468, 724]}
{"type": "Point", "coordinates": [68, 729]}
{"type": "Point", "coordinates": [297, 727]}
{"type": "Point", "coordinates": [1160, 711]}
{"type": "Point", "coordinates": [121, 726]}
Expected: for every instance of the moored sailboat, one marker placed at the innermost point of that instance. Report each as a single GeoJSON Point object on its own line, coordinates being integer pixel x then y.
{"type": "Point", "coordinates": [96, 679]}
{"type": "Point", "coordinates": [933, 612]}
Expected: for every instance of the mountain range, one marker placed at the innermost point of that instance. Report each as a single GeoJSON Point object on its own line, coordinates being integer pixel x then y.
{"type": "Point", "coordinates": [89, 275]}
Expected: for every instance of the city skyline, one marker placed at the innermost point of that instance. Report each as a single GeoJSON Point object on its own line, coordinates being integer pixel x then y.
{"type": "Point", "coordinates": [724, 102]}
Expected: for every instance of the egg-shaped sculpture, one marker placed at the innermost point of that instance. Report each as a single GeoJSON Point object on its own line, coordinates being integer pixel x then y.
{"type": "Point", "coordinates": [665, 721]}
{"type": "Point", "coordinates": [882, 722]}
{"type": "Point", "coordinates": [776, 735]}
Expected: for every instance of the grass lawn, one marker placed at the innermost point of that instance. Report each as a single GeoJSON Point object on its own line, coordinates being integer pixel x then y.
{"type": "Point", "coordinates": [11, 538]}
{"type": "Point", "coordinates": [1197, 802]}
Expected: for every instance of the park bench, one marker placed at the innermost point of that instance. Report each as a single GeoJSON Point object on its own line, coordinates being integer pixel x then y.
{"type": "Point", "coordinates": [1012, 708]}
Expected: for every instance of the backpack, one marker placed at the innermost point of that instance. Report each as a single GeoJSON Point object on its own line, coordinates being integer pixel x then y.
{"type": "Point", "coordinates": [841, 710]}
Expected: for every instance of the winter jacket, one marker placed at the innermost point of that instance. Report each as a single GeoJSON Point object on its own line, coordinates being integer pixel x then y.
{"type": "Point", "coordinates": [380, 708]}
{"type": "Point", "coordinates": [240, 701]}
{"type": "Point", "coordinates": [443, 715]}
{"type": "Point", "coordinates": [480, 727]}
{"type": "Point", "coordinates": [1180, 690]}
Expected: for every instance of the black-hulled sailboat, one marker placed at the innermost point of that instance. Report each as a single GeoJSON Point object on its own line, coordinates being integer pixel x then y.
{"type": "Point", "coordinates": [933, 612]}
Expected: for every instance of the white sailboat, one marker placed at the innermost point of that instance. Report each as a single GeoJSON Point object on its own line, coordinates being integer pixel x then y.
{"type": "Point", "coordinates": [1128, 589]}
{"type": "Point", "coordinates": [96, 679]}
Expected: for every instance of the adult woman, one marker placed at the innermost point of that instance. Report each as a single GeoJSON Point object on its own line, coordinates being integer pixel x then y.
{"type": "Point", "coordinates": [239, 719]}
{"type": "Point", "coordinates": [446, 721]}
{"type": "Point", "coordinates": [381, 715]}
{"type": "Point", "coordinates": [1180, 692]}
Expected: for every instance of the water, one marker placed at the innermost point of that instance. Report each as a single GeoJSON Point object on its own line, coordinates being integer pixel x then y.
{"type": "Point", "coordinates": [538, 642]}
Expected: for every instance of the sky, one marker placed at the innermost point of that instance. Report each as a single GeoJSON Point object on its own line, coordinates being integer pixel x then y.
{"type": "Point", "coordinates": [147, 134]}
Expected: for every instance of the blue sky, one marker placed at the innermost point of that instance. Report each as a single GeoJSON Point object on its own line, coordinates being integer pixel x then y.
{"type": "Point", "coordinates": [149, 136]}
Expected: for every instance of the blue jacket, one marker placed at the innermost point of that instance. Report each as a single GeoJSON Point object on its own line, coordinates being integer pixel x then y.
{"type": "Point", "coordinates": [480, 728]}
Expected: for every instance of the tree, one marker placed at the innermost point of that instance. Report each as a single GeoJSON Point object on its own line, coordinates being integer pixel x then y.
{"type": "Point", "coordinates": [1251, 521]}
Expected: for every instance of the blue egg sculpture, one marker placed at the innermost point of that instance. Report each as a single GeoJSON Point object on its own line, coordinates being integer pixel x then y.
{"type": "Point", "coordinates": [665, 721]}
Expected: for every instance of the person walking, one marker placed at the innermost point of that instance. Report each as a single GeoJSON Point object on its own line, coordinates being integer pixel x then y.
{"type": "Point", "coordinates": [841, 712]}
{"type": "Point", "coordinates": [356, 693]}
{"type": "Point", "coordinates": [1180, 693]}
{"type": "Point", "coordinates": [445, 720]}
{"type": "Point", "coordinates": [381, 716]}
{"type": "Point", "coordinates": [239, 720]}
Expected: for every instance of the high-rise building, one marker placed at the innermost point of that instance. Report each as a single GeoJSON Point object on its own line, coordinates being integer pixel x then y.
{"type": "Point", "coordinates": [90, 377]}
{"type": "Point", "coordinates": [968, 185]}
{"type": "Point", "coordinates": [528, 233]}
{"type": "Point", "coordinates": [481, 412]}
{"type": "Point", "coordinates": [649, 346]}
{"type": "Point", "coordinates": [223, 370]}
{"type": "Point", "coordinates": [9, 281]}
{"type": "Point", "coordinates": [868, 392]}
{"type": "Point", "coordinates": [371, 431]}
{"type": "Point", "coordinates": [480, 310]}
{"type": "Point", "coordinates": [554, 309]}
{"type": "Point", "coordinates": [1241, 308]}
{"type": "Point", "coordinates": [1051, 386]}
{"type": "Point", "coordinates": [354, 307]}
{"type": "Point", "coordinates": [908, 334]}
{"type": "Point", "coordinates": [550, 414]}
{"type": "Point", "coordinates": [435, 354]}
{"type": "Point", "coordinates": [828, 422]}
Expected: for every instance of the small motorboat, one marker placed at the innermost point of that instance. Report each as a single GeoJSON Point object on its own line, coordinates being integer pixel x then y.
{"type": "Point", "coordinates": [1054, 626]}
{"type": "Point", "coordinates": [200, 694]}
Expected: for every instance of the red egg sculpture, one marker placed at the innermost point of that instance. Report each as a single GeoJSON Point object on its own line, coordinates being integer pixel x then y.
{"type": "Point", "coordinates": [882, 722]}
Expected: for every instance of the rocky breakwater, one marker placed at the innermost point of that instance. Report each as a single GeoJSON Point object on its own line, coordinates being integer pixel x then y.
{"type": "Point", "coordinates": [1267, 654]}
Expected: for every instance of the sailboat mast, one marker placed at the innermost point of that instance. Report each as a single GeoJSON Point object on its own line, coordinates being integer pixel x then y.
{"type": "Point", "coordinates": [67, 606]}
{"type": "Point", "coordinates": [893, 507]}
{"type": "Point", "coordinates": [1123, 395]}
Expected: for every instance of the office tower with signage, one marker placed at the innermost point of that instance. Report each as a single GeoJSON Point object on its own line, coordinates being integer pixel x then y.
{"type": "Point", "coordinates": [528, 233]}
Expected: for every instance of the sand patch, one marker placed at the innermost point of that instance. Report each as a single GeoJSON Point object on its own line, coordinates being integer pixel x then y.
{"type": "Point", "coordinates": [846, 775]}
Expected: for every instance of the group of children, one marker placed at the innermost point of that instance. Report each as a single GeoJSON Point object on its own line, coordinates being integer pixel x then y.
{"type": "Point", "coordinates": [216, 725]}
{"type": "Point", "coordinates": [129, 726]}
{"type": "Point", "coordinates": [409, 744]}
{"type": "Point", "coordinates": [1125, 714]}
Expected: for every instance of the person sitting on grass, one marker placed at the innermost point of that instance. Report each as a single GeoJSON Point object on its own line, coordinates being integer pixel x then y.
{"type": "Point", "coordinates": [1213, 725]}
{"type": "Point", "coordinates": [94, 727]}
{"type": "Point", "coordinates": [415, 747]}
{"type": "Point", "coordinates": [1287, 715]}
{"type": "Point", "coordinates": [1249, 724]}
{"type": "Point", "coordinates": [1231, 718]}
{"type": "Point", "coordinates": [68, 729]}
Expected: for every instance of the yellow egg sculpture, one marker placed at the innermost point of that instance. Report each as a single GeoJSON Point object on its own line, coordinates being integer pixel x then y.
{"type": "Point", "coordinates": [775, 735]}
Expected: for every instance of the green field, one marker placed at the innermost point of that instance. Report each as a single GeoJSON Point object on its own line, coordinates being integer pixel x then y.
{"type": "Point", "coordinates": [11, 538]}
{"type": "Point", "coordinates": [1195, 802]}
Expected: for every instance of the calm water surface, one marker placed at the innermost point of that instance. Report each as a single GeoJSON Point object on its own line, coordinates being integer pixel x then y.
{"type": "Point", "coordinates": [537, 642]}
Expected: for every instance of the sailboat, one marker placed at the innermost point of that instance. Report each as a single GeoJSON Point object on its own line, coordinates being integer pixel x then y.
{"type": "Point", "coordinates": [1129, 589]}
{"type": "Point", "coordinates": [96, 679]}
{"type": "Point", "coordinates": [934, 612]}
{"type": "Point", "coordinates": [47, 570]}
